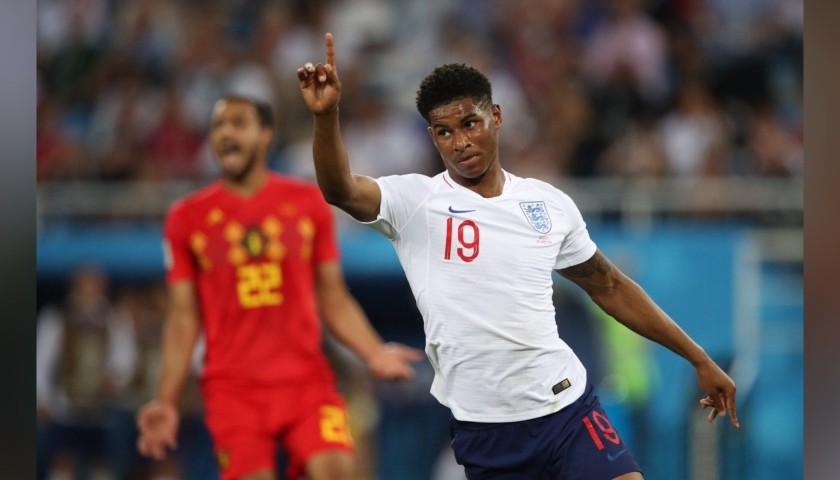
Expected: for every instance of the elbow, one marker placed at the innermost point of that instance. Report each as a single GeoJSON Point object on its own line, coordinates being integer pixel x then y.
{"type": "Point", "coordinates": [607, 293]}
{"type": "Point", "coordinates": [335, 197]}
{"type": "Point", "coordinates": [616, 294]}
{"type": "Point", "coordinates": [331, 322]}
{"type": "Point", "coordinates": [603, 297]}
{"type": "Point", "coordinates": [338, 195]}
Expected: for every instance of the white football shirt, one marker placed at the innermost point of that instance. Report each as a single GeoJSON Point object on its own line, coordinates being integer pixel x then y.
{"type": "Point", "coordinates": [480, 270]}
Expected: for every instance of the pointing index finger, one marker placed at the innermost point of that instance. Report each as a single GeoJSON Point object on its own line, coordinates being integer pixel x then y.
{"type": "Point", "coordinates": [731, 407]}
{"type": "Point", "coordinates": [328, 38]}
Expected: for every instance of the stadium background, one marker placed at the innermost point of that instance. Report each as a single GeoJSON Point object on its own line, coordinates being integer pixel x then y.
{"type": "Point", "coordinates": [675, 125]}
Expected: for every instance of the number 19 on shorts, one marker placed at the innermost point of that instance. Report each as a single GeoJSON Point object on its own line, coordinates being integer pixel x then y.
{"type": "Point", "coordinates": [604, 429]}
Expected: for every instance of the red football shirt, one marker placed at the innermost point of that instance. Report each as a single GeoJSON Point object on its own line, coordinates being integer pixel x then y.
{"type": "Point", "coordinates": [253, 263]}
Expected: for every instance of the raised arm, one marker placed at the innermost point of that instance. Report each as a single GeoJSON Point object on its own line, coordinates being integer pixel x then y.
{"type": "Point", "coordinates": [158, 420]}
{"type": "Point", "coordinates": [320, 87]}
{"type": "Point", "coordinates": [344, 318]}
{"type": "Point", "coordinates": [627, 302]}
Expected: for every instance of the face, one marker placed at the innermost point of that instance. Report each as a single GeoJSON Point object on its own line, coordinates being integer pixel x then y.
{"type": "Point", "coordinates": [467, 138]}
{"type": "Point", "coordinates": [239, 141]}
{"type": "Point", "coordinates": [88, 285]}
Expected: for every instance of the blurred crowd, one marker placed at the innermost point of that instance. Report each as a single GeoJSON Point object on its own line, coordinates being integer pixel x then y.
{"type": "Point", "coordinates": [650, 88]}
{"type": "Point", "coordinates": [98, 353]}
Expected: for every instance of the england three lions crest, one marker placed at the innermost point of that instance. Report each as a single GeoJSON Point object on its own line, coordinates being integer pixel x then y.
{"type": "Point", "coordinates": [537, 216]}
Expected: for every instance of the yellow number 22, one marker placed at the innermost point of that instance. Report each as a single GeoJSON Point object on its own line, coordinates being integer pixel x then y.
{"type": "Point", "coordinates": [259, 285]}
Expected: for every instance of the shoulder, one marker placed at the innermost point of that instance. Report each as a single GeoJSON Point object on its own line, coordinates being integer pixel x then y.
{"type": "Point", "coordinates": [278, 180]}
{"type": "Point", "coordinates": [541, 190]}
{"type": "Point", "coordinates": [293, 186]}
{"type": "Point", "coordinates": [411, 180]}
{"type": "Point", "coordinates": [537, 186]}
{"type": "Point", "coordinates": [206, 195]}
{"type": "Point", "coordinates": [529, 182]}
{"type": "Point", "coordinates": [296, 194]}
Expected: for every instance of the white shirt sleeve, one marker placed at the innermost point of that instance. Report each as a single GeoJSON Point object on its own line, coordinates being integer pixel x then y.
{"type": "Point", "coordinates": [577, 247]}
{"type": "Point", "coordinates": [402, 195]}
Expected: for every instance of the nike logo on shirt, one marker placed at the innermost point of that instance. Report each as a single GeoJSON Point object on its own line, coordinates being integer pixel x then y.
{"type": "Point", "coordinates": [611, 457]}
{"type": "Point", "coordinates": [452, 210]}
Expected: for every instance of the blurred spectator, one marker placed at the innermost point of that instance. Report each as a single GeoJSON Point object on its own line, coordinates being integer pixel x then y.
{"type": "Point", "coordinates": [68, 38]}
{"type": "Point", "coordinates": [149, 35]}
{"type": "Point", "coordinates": [60, 156]}
{"type": "Point", "coordinates": [733, 29]}
{"type": "Point", "coordinates": [59, 21]}
{"type": "Point", "coordinates": [775, 151]}
{"type": "Point", "coordinates": [86, 352]}
{"type": "Point", "coordinates": [628, 47]}
{"type": "Point", "coordinates": [362, 24]}
{"type": "Point", "coordinates": [637, 153]}
{"type": "Point", "coordinates": [695, 134]}
{"type": "Point", "coordinates": [121, 124]}
{"type": "Point", "coordinates": [174, 144]}
{"type": "Point", "coordinates": [541, 43]}
{"type": "Point", "coordinates": [295, 44]}
{"type": "Point", "coordinates": [567, 127]}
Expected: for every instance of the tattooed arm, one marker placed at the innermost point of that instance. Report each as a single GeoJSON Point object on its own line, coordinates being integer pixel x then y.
{"type": "Point", "coordinates": [628, 303]}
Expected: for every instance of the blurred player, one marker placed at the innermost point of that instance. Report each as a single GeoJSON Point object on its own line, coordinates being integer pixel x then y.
{"type": "Point", "coordinates": [252, 261]}
{"type": "Point", "coordinates": [478, 246]}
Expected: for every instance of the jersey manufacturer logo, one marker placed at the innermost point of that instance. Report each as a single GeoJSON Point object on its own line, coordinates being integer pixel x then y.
{"type": "Point", "coordinates": [452, 210]}
{"type": "Point", "coordinates": [537, 216]}
{"type": "Point", "coordinates": [562, 385]}
{"type": "Point", "coordinates": [611, 457]}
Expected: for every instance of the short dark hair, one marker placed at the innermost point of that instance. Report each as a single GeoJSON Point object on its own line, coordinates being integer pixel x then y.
{"type": "Point", "coordinates": [264, 111]}
{"type": "Point", "coordinates": [450, 82]}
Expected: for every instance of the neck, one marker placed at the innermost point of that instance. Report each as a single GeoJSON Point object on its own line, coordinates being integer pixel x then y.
{"type": "Point", "coordinates": [489, 184]}
{"type": "Point", "coordinates": [249, 184]}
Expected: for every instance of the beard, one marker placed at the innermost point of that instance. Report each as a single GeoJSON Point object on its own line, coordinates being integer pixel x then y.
{"type": "Point", "coordinates": [237, 175]}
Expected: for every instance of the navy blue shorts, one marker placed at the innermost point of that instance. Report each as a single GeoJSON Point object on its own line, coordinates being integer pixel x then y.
{"type": "Point", "coordinates": [577, 442]}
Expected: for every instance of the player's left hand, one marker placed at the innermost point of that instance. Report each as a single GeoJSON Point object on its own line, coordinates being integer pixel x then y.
{"type": "Point", "coordinates": [157, 423]}
{"type": "Point", "coordinates": [393, 362]}
{"type": "Point", "coordinates": [720, 392]}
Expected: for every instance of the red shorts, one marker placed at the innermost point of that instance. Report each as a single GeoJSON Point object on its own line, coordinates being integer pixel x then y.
{"type": "Point", "coordinates": [247, 423]}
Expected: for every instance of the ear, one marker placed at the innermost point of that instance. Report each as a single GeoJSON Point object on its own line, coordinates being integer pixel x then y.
{"type": "Point", "coordinates": [431, 135]}
{"type": "Point", "coordinates": [496, 112]}
{"type": "Point", "coordinates": [266, 136]}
